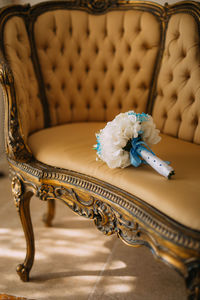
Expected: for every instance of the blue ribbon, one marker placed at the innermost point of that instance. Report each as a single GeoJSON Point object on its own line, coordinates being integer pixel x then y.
{"type": "Point", "coordinates": [137, 147]}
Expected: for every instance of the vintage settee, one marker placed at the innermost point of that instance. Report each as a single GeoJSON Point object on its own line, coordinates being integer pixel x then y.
{"type": "Point", "coordinates": [67, 68]}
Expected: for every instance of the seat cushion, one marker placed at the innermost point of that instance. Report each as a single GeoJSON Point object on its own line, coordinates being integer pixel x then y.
{"type": "Point", "coordinates": [70, 146]}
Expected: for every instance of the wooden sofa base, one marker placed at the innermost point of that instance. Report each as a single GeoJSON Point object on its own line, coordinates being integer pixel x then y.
{"type": "Point", "coordinates": [112, 210]}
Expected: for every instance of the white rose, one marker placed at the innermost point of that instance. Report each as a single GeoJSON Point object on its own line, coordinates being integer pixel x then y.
{"type": "Point", "coordinates": [150, 134]}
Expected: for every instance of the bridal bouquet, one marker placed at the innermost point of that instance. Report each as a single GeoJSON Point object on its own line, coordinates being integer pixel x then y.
{"type": "Point", "coordinates": [126, 141]}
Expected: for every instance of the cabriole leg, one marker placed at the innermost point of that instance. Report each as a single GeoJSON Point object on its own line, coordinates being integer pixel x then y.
{"type": "Point", "coordinates": [193, 281]}
{"type": "Point", "coordinates": [48, 217]}
{"type": "Point", "coordinates": [22, 202]}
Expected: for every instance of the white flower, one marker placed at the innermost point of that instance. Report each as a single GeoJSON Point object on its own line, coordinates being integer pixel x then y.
{"type": "Point", "coordinates": [150, 134]}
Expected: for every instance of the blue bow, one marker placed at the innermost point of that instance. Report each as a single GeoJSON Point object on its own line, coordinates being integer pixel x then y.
{"type": "Point", "coordinates": [136, 148]}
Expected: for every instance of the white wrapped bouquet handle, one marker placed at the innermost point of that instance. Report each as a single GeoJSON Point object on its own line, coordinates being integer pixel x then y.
{"type": "Point", "coordinates": [156, 163]}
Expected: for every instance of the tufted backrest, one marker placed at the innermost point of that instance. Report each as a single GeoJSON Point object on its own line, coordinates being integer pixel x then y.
{"type": "Point", "coordinates": [18, 53]}
{"type": "Point", "coordinates": [96, 66]}
{"type": "Point", "coordinates": [177, 106]}
{"type": "Point", "coordinates": [91, 60]}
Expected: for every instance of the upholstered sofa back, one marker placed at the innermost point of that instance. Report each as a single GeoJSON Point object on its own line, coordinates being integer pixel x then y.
{"type": "Point", "coordinates": [96, 66]}
{"type": "Point", "coordinates": [17, 50]}
{"type": "Point", "coordinates": [73, 65]}
{"type": "Point", "coordinates": [177, 104]}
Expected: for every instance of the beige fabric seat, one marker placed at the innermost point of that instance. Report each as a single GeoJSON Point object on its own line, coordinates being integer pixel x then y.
{"type": "Point", "coordinates": [72, 149]}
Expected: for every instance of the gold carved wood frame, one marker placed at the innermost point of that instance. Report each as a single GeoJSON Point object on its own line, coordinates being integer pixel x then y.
{"type": "Point", "coordinates": [113, 210]}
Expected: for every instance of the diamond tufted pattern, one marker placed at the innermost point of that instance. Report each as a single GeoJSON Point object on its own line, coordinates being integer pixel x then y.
{"type": "Point", "coordinates": [177, 107]}
{"type": "Point", "coordinates": [18, 51]}
{"type": "Point", "coordinates": [96, 66]}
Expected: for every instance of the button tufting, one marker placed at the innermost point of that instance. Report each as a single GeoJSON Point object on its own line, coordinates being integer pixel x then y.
{"type": "Point", "coordinates": [127, 86]}
{"type": "Point", "coordinates": [192, 99]}
{"type": "Point", "coordinates": [71, 105]}
{"type": "Point", "coordinates": [45, 47]}
{"type": "Point", "coordinates": [105, 69]}
{"type": "Point", "coordinates": [87, 69]}
{"type": "Point", "coordinates": [187, 75]}
{"type": "Point", "coordinates": [63, 86]}
{"type": "Point", "coordinates": [79, 86]}
{"type": "Point", "coordinates": [128, 48]}
{"type": "Point", "coordinates": [122, 31]}
{"type": "Point", "coordinates": [54, 29]}
{"type": "Point", "coordinates": [138, 29]}
{"type": "Point", "coordinates": [79, 50]}
{"type": "Point", "coordinates": [195, 121]}
{"type": "Point", "coordinates": [88, 105]}
{"type": "Point", "coordinates": [144, 46]}
{"type": "Point", "coordinates": [95, 87]}
{"type": "Point", "coordinates": [54, 67]}
{"type": "Point", "coordinates": [48, 86]}
{"type": "Point", "coordinates": [174, 96]}
{"type": "Point", "coordinates": [160, 93]}
{"type": "Point", "coordinates": [183, 53]}
{"type": "Point", "coordinates": [179, 118]}
{"type": "Point", "coordinates": [170, 77]}
{"type": "Point", "coordinates": [136, 67]}
{"type": "Point", "coordinates": [87, 32]}
{"type": "Point", "coordinates": [19, 37]}
{"type": "Point", "coordinates": [70, 67]}
{"type": "Point", "coordinates": [121, 68]}
{"type": "Point", "coordinates": [62, 48]}
{"type": "Point", "coordinates": [113, 49]}
{"type": "Point", "coordinates": [104, 105]}
{"type": "Point", "coordinates": [143, 86]}
{"type": "Point", "coordinates": [120, 105]}
{"type": "Point", "coordinates": [165, 115]}
{"type": "Point", "coordinates": [176, 35]}
{"type": "Point", "coordinates": [18, 55]}
{"type": "Point", "coordinates": [70, 30]}
{"type": "Point", "coordinates": [112, 87]}
{"type": "Point", "coordinates": [135, 105]}
{"type": "Point", "coordinates": [57, 105]}
{"type": "Point", "coordinates": [96, 49]}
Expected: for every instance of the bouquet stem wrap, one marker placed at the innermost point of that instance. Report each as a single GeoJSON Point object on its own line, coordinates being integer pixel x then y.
{"type": "Point", "coordinates": [126, 141]}
{"type": "Point", "coordinates": [139, 150]}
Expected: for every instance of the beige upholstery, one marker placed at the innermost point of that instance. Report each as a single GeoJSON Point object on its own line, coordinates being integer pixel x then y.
{"type": "Point", "coordinates": [110, 69]}
{"type": "Point", "coordinates": [18, 52]}
{"type": "Point", "coordinates": [70, 147]}
{"type": "Point", "coordinates": [177, 106]}
{"type": "Point", "coordinates": [96, 66]}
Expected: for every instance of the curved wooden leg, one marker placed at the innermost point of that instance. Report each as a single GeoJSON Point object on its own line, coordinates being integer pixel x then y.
{"type": "Point", "coordinates": [193, 281]}
{"type": "Point", "coordinates": [48, 217]}
{"type": "Point", "coordinates": [22, 202]}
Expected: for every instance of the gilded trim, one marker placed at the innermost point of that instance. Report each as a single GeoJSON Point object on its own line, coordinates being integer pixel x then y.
{"type": "Point", "coordinates": [115, 211]}
{"type": "Point", "coordinates": [42, 95]}
{"type": "Point", "coordinates": [15, 145]}
{"type": "Point", "coordinates": [145, 214]}
{"type": "Point", "coordinates": [17, 190]}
